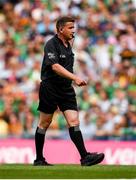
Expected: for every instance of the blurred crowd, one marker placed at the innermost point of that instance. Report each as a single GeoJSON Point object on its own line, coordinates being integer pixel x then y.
{"type": "Point", "coordinates": [105, 55]}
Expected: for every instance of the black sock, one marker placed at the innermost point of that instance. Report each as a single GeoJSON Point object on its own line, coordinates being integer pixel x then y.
{"type": "Point", "coordinates": [39, 142]}
{"type": "Point", "coordinates": [77, 139]}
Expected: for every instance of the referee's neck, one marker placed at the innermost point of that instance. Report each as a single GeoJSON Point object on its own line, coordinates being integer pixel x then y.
{"type": "Point", "coordinates": [64, 41]}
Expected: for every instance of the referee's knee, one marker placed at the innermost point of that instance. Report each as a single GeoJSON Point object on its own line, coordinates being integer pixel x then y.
{"type": "Point", "coordinates": [73, 123]}
{"type": "Point", "coordinates": [44, 124]}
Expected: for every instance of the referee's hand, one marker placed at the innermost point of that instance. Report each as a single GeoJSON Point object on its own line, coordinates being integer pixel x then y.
{"type": "Point", "coordinates": [80, 82]}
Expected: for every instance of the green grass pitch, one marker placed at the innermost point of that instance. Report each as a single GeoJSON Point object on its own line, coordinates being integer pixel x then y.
{"type": "Point", "coordinates": [21, 171]}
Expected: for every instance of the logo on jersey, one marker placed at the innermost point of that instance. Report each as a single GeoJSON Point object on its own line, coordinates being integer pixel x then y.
{"type": "Point", "coordinates": [62, 56]}
{"type": "Point", "coordinates": [51, 55]}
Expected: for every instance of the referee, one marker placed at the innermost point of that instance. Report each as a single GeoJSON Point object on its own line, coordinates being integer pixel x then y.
{"type": "Point", "coordinates": [56, 91]}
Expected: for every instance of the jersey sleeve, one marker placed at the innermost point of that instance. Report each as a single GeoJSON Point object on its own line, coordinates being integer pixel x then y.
{"type": "Point", "coordinates": [51, 54]}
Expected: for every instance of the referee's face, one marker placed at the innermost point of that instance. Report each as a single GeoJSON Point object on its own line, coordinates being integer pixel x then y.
{"type": "Point", "coordinates": [68, 31]}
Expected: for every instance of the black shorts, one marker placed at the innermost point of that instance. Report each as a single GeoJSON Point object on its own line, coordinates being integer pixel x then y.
{"type": "Point", "coordinates": [53, 96]}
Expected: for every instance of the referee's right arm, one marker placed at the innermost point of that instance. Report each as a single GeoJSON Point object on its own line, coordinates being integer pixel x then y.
{"type": "Point", "coordinates": [60, 70]}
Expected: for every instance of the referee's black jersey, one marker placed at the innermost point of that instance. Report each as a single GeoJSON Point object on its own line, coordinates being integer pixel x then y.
{"type": "Point", "coordinates": [56, 52]}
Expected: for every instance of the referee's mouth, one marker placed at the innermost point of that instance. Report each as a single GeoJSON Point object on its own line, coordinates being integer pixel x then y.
{"type": "Point", "coordinates": [73, 35]}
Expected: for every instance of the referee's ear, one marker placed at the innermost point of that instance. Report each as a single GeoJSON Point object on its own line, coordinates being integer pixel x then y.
{"type": "Point", "coordinates": [61, 30]}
